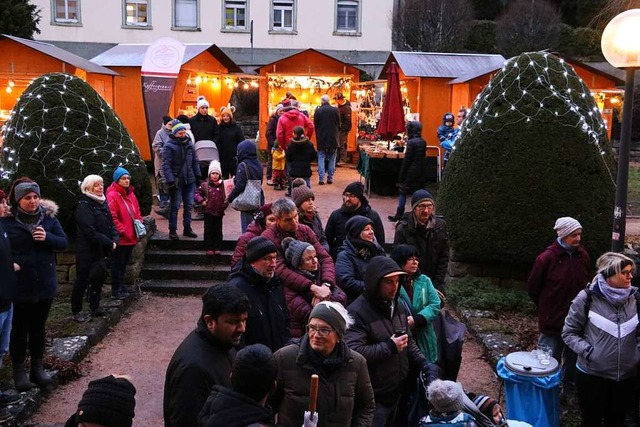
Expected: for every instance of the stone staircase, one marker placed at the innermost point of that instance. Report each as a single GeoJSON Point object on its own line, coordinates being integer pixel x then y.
{"type": "Point", "coordinates": [182, 267]}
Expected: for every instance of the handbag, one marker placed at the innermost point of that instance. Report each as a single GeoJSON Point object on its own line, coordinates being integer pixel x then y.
{"type": "Point", "coordinates": [250, 198]}
{"type": "Point", "coordinates": [138, 226]}
{"type": "Point", "coordinates": [450, 333]}
{"type": "Point", "coordinates": [98, 271]}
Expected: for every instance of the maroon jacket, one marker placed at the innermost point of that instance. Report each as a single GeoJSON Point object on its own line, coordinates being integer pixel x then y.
{"type": "Point", "coordinates": [214, 195]}
{"type": "Point", "coordinates": [554, 281]}
{"type": "Point", "coordinates": [253, 230]}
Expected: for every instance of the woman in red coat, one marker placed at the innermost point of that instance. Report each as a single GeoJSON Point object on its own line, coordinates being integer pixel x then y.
{"type": "Point", "coordinates": [124, 207]}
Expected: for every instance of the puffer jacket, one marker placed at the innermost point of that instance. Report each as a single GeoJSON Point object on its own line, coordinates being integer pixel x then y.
{"type": "Point", "coordinates": [96, 232]}
{"type": "Point", "coordinates": [214, 195]}
{"type": "Point", "coordinates": [162, 137]}
{"type": "Point", "coordinates": [204, 127]}
{"type": "Point", "coordinates": [253, 230]}
{"type": "Point", "coordinates": [345, 396]}
{"type": "Point", "coordinates": [287, 122]}
{"type": "Point", "coordinates": [371, 337]}
{"type": "Point", "coordinates": [299, 156]}
{"type": "Point", "coordinates": [37, 278]}
{"type": "Point", "coordinates": [179, 161]}
{"type": "Point", "coordinates": [412, 171]}
{"type": "Point", "coordinates": [117, 196]}
{"type": "Point", "coordinates": [230, 136]}
{"type": "Point", "coordinates": [316, 225]}
{"type": "Point", "coordinates": [350, 268]}
{"type": "Point", "coordinates": [431, 241]}
{"type": "Point", "coordinates": [270, 133]}
{"type": "Point", "coordinates": [249, 168]}
{"type": "Point", "coordinates": [607, 338]}
{"type": "Point", "coordinates": [228, 408]}
{"type": "Point", "coordinates": [336, 230]}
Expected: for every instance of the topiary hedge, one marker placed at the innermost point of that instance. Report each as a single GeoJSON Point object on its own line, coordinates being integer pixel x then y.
{"type": "Point", "coordinates": [533, 148]}
{"type": "Point", "coordinates": [60, 131]}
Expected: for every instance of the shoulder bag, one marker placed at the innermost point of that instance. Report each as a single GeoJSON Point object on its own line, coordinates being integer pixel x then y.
{"type": "Point", "coordinates": [249, 199]}
{"type": "Point", "coordinates": [138, 226]}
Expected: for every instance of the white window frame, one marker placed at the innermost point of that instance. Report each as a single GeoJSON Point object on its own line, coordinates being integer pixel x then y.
{"type": "Point", "coordinates": [341, 27]}
{"type": "Point", "coordinates": [125, 16]}
{"type": "Point", "coordinates": [66, 20]}
{"type": "Point", "coordinates": [174, 19]}
{"type": "Point", "coordinates": [281, 6]}
{"type": "Point", "coordinates": [237, 5]}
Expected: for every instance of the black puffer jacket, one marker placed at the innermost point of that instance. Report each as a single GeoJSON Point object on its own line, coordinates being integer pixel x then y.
{"type": "Point", "coordinates": [370, 336]}
{"type": "Point", "coordinates": [230, 136]}
{"type": "Point", "coordinates": [199, 363]}
{"type": "Point", "coordinates": [412, 172]}
{"type": "Point", "coordinates": [96, 232]}
{"type": "Point", "coordinates": [432, 243]}
{"type": "Point", "coordinates": [336, 229]}
{"type": "Point", "coordinates": [204, 128]}
{"type": "Point", "coordinates": [228, 408]}
{"type": "Point", "coordinates": [300, 154]}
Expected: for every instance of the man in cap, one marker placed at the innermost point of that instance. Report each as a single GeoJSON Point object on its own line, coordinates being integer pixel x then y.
{"type": "Point", "coordinates": [344, 108]}
{"type": "Point", "coordinates": [256, 277]}
{"type": "Point", "coordinates": [108, 401]}
{"type": "Point", "coordinates": [428, 233]}
{"type": "Point", "coordinates": [327, 122]}
{"type": "Point", "coordinates": [354, 203]}
{"type": "Point", "coordinates": [205, 356]}
{"type": "Point", "coordinates": [381, 334]}
{"type": "Point", "coordinates": [558, 274]}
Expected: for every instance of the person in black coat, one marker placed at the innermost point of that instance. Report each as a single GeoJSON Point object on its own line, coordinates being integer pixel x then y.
{"type": "Point", "coordinates": [230, 136]}
{"type": "Point", "coordinates": [326, 119]}
{"type": "Point", "coordinates": [205, 356]}
{"type": "Point", "coordinates": [412, 172]}
{"type": "Point", "coordinates": [267, 321]}
{"type": "Point", "coordinates": [300, 154]}
{"type": "Point", "coordinates": [204, 126]}
{"type": "Point", "coordinates": [97, 238]}
{"type": "Point", "coordinates": [271, 136]}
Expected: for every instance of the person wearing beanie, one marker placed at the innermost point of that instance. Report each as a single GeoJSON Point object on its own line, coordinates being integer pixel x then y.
{"type": "Point", "coordinates": [380, 334]}
{"type": "Point", "coordinates": [326, 119]}
{"type": "Point", "coordinates": [354, 203]}
{"type": "Point", "coordinates": [249, 172]}
{"type": "Point", "coordinates": [262, 219]}
{"type": "Point", "coordinates": [601, 329]}
{"type": "Point", "coordinates": [35, 235]}
{"type": "Point", "coordinates": [452, 407]}
{"type": "Point", "coordinates": [557, 275]}
{"type": "Point", "coordinates": [230, 135]}
{"type": "Point", "coordinates": [426, 231]}
{"type": "Point", "coordinates": [322, 350]}
{"type": "Point", "coordinates": [211, 197]}
{"type": "Point", "coordinates": [308, 214]}
{"type": "Point", "coordinates": [271, 136]}
{"type": "Point", "coordinates": [96, 239]}
{"type": "Point", "coordinates": [205, 357]}
{"type": "Point", "coordinates": [354, 255]}
{"type": "Point", "coordinates": [411, 177]}
{"type": "Point", "coordinates": [108, 401]}
{"type": "Point", "coordinates": [159, 140]}
{"type": "Point", "coordinates": [181, 169]}
{"type": "Point", "coordinates": [299, 155]}
{"type": "Point", "coordinates": [124, 207]}
{"type": "Point", "coordinates": [203, 125]}
{"type": "Point", "coordinates": [256, 277]}
{"type": "Point", "coordinates": [300, 287]}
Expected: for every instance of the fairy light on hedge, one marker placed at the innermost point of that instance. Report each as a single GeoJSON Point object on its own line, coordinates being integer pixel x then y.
{"type": "Point", "coordinates": [51, 126]}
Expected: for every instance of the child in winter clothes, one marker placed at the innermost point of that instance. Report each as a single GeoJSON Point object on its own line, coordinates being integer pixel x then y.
{"type": "Point", "coordinates": [300, 154]}
{"type": "Point", "coordinates": [278, 176]}
{"type": "Point", "coordinates": [211, 196]}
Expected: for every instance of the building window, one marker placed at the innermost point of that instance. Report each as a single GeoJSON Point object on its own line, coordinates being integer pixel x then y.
{"type": "Point", "coordinates": [137, 13]}
{"type": "Point", "coordinates": [348, 16]}
{"type": "Point", "coordinates": [66, 11]}
{"type": "Point", "coordinates": [235, 14]}
{"type": "Point", "coordinates": [185, 13]}
{"type": "Point", "coordinates": [283, 15]}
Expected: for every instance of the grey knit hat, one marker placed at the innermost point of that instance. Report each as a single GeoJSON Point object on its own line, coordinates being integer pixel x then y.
{"type": "Point", "coordinates": [294, 250]}
{"type": "Point", "coordinates": [259, 247]}
{"type": "Point", "coordinates": [565, 226]}
{"type": "Point", "coordinates": [420, 196]}
{"type": "Point", "coordinates": [25, 188]}
{"type": "Point", "coordinates": [446, 396]}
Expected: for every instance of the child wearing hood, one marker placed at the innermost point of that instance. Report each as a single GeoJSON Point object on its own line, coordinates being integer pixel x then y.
{"type": "Point", "coordinates": [300, 154]}
{"type": "Point", "coordinates": [211, 196]}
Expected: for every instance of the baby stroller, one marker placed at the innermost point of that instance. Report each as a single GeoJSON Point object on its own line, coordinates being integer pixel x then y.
{"type": "Point", "coordinates": [206, 150]}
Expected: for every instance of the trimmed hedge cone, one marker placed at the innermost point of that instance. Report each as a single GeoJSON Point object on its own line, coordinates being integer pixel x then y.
{"type": "Point", "coordinates": [60, 131]}
{"type": "Point", "coordinates": [533, 148]}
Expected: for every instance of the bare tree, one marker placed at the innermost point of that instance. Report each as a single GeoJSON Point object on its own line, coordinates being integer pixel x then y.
{"type": "Point", "coordinates": [528, 25]}
{"type": "Point", "coordinates": [431, 25]}
{"type": "Point", "coordinates": [610, 9]}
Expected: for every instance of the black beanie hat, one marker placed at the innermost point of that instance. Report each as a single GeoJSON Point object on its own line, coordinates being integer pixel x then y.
{"type": "Point", "coordinates": [107, 401]}
{"type": "Point", "coordinates": [356, 224]}
{"type": "Point", "coordinates": [357, 189]}
{"type": "Point", "coordinates": [420, 196]}
{"type": "Point", "coordinates": [259, 247]}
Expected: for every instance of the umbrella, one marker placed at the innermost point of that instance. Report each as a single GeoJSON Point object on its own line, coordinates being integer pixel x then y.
{"type": "Point", "coordinates": [392, 117]}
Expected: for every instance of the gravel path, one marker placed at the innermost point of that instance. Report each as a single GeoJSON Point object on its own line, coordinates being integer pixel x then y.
{"type": "Point", "coordinates": [142, 344]}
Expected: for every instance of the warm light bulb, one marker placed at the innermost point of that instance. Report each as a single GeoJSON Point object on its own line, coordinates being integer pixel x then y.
{"type": "Point", "coordinates": [8, 89]}
{"type": "Point", "coordinates": [11, 83]}
{"type": "Point", "coordinates": [198, 80]}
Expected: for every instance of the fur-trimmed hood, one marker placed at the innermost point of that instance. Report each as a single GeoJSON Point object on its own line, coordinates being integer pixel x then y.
{"type": "Point", "coordinates": [49, 207]}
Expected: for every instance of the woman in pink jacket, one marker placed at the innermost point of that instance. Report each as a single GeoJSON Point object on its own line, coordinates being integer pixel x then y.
{"type": "Point", "coordinates": [124, 207]}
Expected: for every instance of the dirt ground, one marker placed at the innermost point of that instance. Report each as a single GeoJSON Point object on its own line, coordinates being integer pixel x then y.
{"type": "Point", "coordinates": [142, 344]}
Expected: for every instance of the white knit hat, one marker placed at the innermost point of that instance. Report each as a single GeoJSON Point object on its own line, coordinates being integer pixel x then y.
{"type": "Point", "coordinates": [566, 225]}
{"type": "Point", "coordinates": [214, 166]}
{"type": "Point", "coordinates": [446, 396]}
{"type": "Point", "coordinates": [202, 102]}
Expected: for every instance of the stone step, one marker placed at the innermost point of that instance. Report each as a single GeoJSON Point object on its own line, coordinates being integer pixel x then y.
{"type": "Point", "coordinates": [178, 287]}
{"type": "Point", "coordinates": [160, 241]}
{"type": "Point", "coordinates": [185, 256]}
{"type": "Point", "coordinates": [153, 271]}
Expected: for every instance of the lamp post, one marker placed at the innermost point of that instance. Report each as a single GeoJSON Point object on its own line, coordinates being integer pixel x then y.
{"type": "Point", "coordinates": [621, 49]}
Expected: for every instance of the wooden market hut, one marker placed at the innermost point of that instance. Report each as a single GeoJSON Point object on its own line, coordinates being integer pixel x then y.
{"type": "Point", "coordinates": [308, 75]}
{"type": "Point", "coordinates": [25, 60]}
{"type": "Point", "coordinates": [206, 70]}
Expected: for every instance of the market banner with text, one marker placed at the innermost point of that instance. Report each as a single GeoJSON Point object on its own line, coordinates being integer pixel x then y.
{"type": "Point", "coordinates": [160, 69]}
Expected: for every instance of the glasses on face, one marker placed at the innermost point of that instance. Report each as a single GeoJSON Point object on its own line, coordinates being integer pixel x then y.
{"type": "Point", "coordinates": [349, 196]}
{"type": "Point", "coordinates": [322, 332]}
{"type": "Point", "coordinates": [424, 206]}
{"type": "Point", "coordinates": [627, 273]}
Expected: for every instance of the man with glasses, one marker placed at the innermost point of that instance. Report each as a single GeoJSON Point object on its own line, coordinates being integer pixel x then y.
{"type": "Point", "coordinates": [558, 274]}
{"type": "Point", "coordinates": [428, 233]}
{"type": "Point", "coordinates": [353, 203]}
{"type": "Point", "coordinates": [256, 277]}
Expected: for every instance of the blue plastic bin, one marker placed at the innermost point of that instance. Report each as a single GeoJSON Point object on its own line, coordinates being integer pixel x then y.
{"type": "Point", "coordinates": [532, 390]}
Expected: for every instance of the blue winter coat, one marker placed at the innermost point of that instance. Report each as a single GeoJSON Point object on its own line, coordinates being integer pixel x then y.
{"type": "Point", "coordinates": [180, 162]}
{"type": "Point", "coordinates": [350, 268]}
{"type": "Point", "coordinates": [444, 132]}
{"type": "Point", "coordinates": [37, 278]}
{"type": "Point", "coordinates": [247, 156]}
{"type": "Point", "coordinates": [8, 283]}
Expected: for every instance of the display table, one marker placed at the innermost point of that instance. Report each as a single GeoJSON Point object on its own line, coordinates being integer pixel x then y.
{"type": "Point", "coordinates": [381, 172]}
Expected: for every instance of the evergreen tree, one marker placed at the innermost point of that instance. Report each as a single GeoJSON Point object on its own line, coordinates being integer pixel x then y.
{"type": "Point", "coordinates": [19, 18]}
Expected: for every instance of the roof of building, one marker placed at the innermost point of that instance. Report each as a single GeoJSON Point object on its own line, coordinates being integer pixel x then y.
{"type": "Point", "coordinates": [132, 55]}
{"type": "Point", "coordinates": [86, 50]}
{"type": "Point", "coordinates": [62, 55]}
